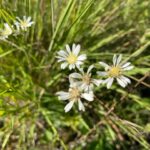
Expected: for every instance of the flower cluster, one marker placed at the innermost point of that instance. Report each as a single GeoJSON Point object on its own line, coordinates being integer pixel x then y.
{"type": "Point", "coordinates": [81, 82]}
{"type": "Point", "coordinates": [19, 25]}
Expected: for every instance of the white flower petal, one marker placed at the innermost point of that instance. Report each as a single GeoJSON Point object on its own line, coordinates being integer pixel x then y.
{"type": "Point", "coordinates": [71, 66]}
{"type": "Point", "coordinates": [119, 59]}
{"type": "Point", "coordinates": [32, 22]}
{"type": "Point", "coordinates": [73, 46]}
{"type": "Point", "coordinates": [69, 106]}
{"type": "Point", "coordinates": [61, 59]}
{"type": "Point", "coordinates": [63, 95]}
{"type": "Point", "coordinates": [125, 79]}
{"type": "Point", "coordinates": [28, 19]}
{"type": "Point", "coordinates": [97, 82]}
{"type": "Point", "coordinates": [104, 65]}
{"type": "Point", "coordinates": [24, 17]}
{"type": "Point", "coordinates": [128, 68]}
{"type": "Point", "coordinates": [76, 50]}
{"type": "Point", "coordinates": [17, 26]}
{"type": "Point", "coordinates": [8, 28]}
{"type": "Point", "coordinates": [81, 70]}
{"type": "Point", "coordinates": [114, 60]}
{"type": "Point", "coordinates": [71, 81]}
{"type": "Point", "coordinates": [75, 75]}
{"type": "Point", "coordinates": [85, 87]}
{"type": "Point", "coordinates": [82, 57]}
{"type": "Point", "coordinates": [90, 68]}
{"type": "Point", "coordinates": [29, 24]}
{"type": "Point", "coordinates": [123, 84]}
{"type": "Point", "coordinates": [125, 65]}
{"type": "Point", "coordinates": [62, 53]}
{"type": "Point", "coordinates": [68, 49]}
{"type": "Point", "coordinates": [88, 96]}
{"type": "Point", "coordinates": [79, 83]}
{"type": "Point", "coordinates": [73, 85]}
{"type": "Point", "coordinates": [106, 80]}
{"type": "Point", "coordinates": [109, 82]}
{"type": "Point", "coordinates": [80, 105]}
{"type": "Point", "coordinates": [88, 88]}
{"type": "Point", "coordinates": [64, 65]}
{"type": "Point", "coordinates": [78, 63]}
{"type": "Point", "coordinates": [102, 73]}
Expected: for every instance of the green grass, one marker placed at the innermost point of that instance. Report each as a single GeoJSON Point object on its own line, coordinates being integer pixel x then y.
{"type": "Point", "coordinates": [32, 117]}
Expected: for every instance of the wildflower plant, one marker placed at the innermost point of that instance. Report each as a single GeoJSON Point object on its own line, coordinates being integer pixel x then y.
{"type": "Point", "coordinates": [75, 94]}
{"type": "Point", "coordinates": [116, 71]}
{"type": "Point", "coordinates": [15, 28]}
{"type": "Point", "coordinates": [71, 57]}
{"type": "Point", "coordinates": [84, 79]}
{"type": "Point", "coordinates": [5, 32]}
{"type": "Point", "coordinates": [24, 23]}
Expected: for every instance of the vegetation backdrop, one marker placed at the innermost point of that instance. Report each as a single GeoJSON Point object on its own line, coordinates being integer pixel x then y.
{"type": "Point", "coordinates": [32, 117]}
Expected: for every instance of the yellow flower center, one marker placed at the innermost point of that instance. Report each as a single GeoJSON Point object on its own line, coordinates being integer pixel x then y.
{"type": "Point", "coordinates": [24, 23]}
{"type": "Point", "coordinates": [114, 71]}
{"type": "Point", "coordinates": [86, 79]}
{"type": "Point", "coordinates": [72, 59]}
{"type": "Point", "coordinates": [74, 93]}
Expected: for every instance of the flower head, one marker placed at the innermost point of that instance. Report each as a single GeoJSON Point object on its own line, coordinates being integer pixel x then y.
{"type": "Point", "coordinates": [84, 79]}
{"type": "Point", "coordinates": [70, 57]}
{"type": "Point", "coordinates": [23, 24]}
{"type": "Point", "coordinates": [116, 71]}
{"type": "Point", "coordinates": [75, 94]}
{"type": "Point", "coordinates": [5, 32]}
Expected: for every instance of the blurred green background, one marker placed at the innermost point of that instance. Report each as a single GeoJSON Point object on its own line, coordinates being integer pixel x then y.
{"type": "Point", "coordinates": [32, 117]}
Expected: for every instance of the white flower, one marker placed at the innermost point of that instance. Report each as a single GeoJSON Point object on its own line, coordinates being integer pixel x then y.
{"type": "Point", "coordinates": [5, 32]}
{"type": "Point", "coordinates": [75, 94]}
{"type": "Point", "coordinates": [23, 24]}
{"type": "Point", "coordinates": [116, 71]}
{"type": "Point", "coordinates": [84, 80]}
{"type": "Point", "coordinates": [70, 57]}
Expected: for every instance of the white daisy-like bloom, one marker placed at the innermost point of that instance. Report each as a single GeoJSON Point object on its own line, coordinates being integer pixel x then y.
{"type": "Point", "coordinates": [4, 33]}
{"type": "Point", "coordinates": [84, 79]}
{"type": "Point", "coordinates": [75, 94]}
{"type": "Point", "coordinates": [116, 71]}
{"type": "Point", "coordinates": [24, 23]}
{"type": "Point", "coordinates": [70, 57]}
